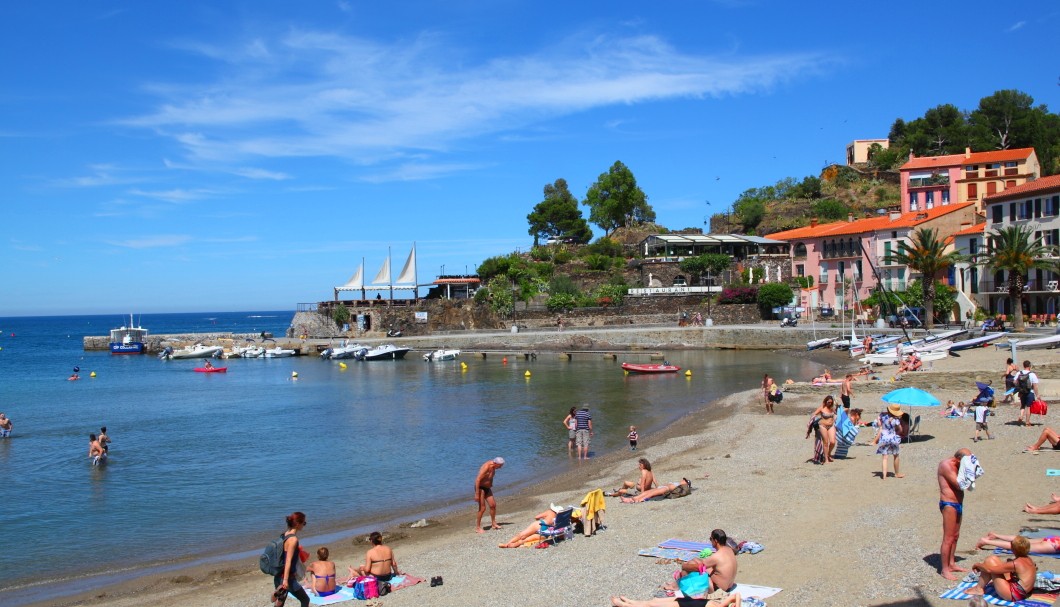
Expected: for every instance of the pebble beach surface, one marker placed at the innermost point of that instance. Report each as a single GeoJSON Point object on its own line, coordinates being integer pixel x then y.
{"type": "Point", "coordinates": [834, 534]}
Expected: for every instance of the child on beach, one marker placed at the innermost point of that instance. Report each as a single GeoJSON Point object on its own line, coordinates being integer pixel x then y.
{"type": "Point", "coordinates": [981, 411]}
{"type": "Point", "coordinates": [632, 438]}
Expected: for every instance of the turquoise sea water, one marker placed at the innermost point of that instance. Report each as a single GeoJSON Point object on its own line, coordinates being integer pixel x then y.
{"type": "Point", "coordinates": [209, 464]}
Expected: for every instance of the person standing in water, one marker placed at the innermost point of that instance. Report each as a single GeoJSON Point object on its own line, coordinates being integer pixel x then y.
{"type": "Point", "coordinates": [5, 426]}
{"type": "Point", "coordinates": [104, 440]}
{"type": "Point", "coordinates": [96, 452]}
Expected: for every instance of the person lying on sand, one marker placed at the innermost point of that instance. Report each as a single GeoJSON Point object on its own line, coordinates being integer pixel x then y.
{"type": "Point", "coordinates": [644, 483]}
{"type": "Point", "coordinates": [541, 523]}
{"type": "Point", "coordinates": [659, 491]}
{"type": "Point", "coordinates": [1052, 508]}
{"type": "Point", "coordinates": [1047, 435]}
{"type": "Point", "coordinates": [733, 599]}
{"type": "Point", "coordinates": [1046, 545]}
{"type": "Point", "coordinates": [823, 377]}
{"type": "Point", "coordinates": [1013, 579]}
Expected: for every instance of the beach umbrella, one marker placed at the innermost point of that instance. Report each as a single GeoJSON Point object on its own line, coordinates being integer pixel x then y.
{"type": "Point", "coordinates": [911, 397]}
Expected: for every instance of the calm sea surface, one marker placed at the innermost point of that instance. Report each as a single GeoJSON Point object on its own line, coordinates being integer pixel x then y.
{"type": "Point", "coordinates": [209, 464]}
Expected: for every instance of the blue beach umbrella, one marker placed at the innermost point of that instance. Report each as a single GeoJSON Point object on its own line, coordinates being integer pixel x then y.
{"type": "Point", "coordinates": [911, 397]}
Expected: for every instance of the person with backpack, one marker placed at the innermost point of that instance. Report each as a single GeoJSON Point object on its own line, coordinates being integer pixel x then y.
{"type": "Point", "coordinates": [286, 579]}
{"type": "Point", "coordinates": [1027, 388]}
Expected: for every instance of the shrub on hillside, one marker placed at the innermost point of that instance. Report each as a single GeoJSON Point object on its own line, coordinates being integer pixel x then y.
{"type": "Point", "coordinates": [562, 256]}
{"type": "Point", "coordinates": [561, 301]}
{"type": "Point", "coordinates": [562, 284]}
{"type": "Point", "coordinates": [739, 295]}
{"type": "Point", "coordinates": [604, 246]}
{"type": "Point", "coordinates": [773, 295]}
{"type": "Point", "coordinates": [599, 262]}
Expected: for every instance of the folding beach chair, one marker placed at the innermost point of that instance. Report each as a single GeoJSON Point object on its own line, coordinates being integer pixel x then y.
{"type": "Point", "coordinates": [559, 529]}
{"type": "Point", "coordinates": [914, 428]}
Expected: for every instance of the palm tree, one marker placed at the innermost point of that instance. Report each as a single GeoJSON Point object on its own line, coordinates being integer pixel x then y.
{"type": "Point", "coordinates": [929, 257]}
{"type": "Point", "coordinates": [1015, 252]}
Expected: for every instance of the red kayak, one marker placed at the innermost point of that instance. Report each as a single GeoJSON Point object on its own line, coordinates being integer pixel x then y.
{"type": "Point", "coordinates": [637, 368]}
{"type": "Point", "coordinates": [211, 369]}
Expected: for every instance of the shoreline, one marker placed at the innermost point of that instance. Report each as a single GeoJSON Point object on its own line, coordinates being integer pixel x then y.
{"type": "Point", "coordinates": [759, 488]}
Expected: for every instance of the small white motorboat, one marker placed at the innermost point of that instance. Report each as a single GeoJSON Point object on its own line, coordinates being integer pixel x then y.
{"type": "Point", "coordinates": [251, 351]}
{"type": "Point", "coordinates": [278, 352]}
{"type": "Point", "coordinates": [189, 352]}
{"type": "Point", "coordinates": [441, 355]}
{"type": "Point", "coordinates": [386, 352]}
{"type": "Point", "coordinates": [345, 350]}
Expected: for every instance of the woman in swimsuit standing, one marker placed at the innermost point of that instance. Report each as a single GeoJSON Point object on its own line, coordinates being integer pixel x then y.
{"type": "Point", "coordinates": [379, 560]}
{"type": "Point", "coordinates": [570, 423]}
{"type": "Point", "coordinates": [826, 413]}
{"type": "Point", "coordinates": [320, 575]}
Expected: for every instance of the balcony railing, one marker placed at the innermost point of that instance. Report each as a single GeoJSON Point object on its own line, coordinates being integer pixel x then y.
{"type": "Point", "coordinates": [1033, 286]}
{"type": "Point", "coordinates": [925, 182]}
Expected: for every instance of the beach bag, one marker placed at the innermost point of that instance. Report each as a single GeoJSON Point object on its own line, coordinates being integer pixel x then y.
{"type": "Point", "coordinates": [384, 588]}
{"type": "Point", "coordinates": [1039, 407]}
{"type": "Point", "coordinates": [694, 584]}
{"type": "Point", "coordinates": [1023, 383]}
{"type": "Point", "coordinates": [679, 491]}
{"type": "Point", "coordinates": [271, 561]}
{"type": "Point", "coordinates": [779, 396]}
{"type": "Point", "coordinates": [365, 587]}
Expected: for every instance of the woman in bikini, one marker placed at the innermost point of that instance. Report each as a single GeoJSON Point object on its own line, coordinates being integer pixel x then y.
{"type": "Point", "coordinates": [320, 575]}
{"type": "Point", "coordinates": [1013, 579]}
{"type": "Point", "coordinates": [1046, 545]}
{"type": "Point", "coordinates": [826, 413]}
{"type": "Point", "coordinates": [571, 425]}
{"type": "Point", "coordinates": [379, 560]}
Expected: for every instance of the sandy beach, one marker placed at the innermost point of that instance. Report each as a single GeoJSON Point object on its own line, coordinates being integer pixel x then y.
{"type": "Point", "coordinates": [833, 534]}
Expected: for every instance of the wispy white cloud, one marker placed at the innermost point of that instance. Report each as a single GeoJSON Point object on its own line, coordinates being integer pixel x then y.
{"type": "Point", "coordinates": [419, 172]}
{"type": "Point", "coordinates": [176, 194]}
{"type": "Point", "coordinates": [19, 245]}
{"type": "Point", "coordinates": [254, 173]}
{"type": "Point", "coordinates": [153, 242]}
{"type": "Point", "coordinates": [1015, 26]}
{"type": "Point", "coordinates": [99, 175]}
{"type": "Point", "coordinates": [310, 93]}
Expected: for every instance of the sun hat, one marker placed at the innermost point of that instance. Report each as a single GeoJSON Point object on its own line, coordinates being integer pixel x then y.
{"type": "Point", "coordinates": [557, 509]}
{"type": "Point", "coordinates": [895, 410]}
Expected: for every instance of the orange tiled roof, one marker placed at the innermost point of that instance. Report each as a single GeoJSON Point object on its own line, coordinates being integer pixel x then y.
{"type": "Point", "coordinates": [949, 160]}
{"type": "Point", "coordinates": [1042, 183]}
{"type": "Point", "coordinates": [978, 228]}
{"type": "Point", "coordinates": [861, 226]}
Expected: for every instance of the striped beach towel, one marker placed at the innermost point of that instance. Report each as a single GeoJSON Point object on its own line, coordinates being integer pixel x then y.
{"type": "Point", "coordinates": [1037, 599]}
{"type": "Point", "coordinates": [684, 545]}
{"type": "Point", "coordinates": [1048, 556]}
{"type": "Point", "coordinates": [669, 553]}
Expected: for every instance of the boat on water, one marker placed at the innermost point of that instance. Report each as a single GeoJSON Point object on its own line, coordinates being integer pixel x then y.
{"type": "Point", "coordinates": [345, 350]}
{"type": "Point", "coordinates": [211, 369]}
{"type": "Point", "coordinates": [651, 368]}
{"type": "Point", "coordinates": [248, 351]}
{"type": "Point", "coordinates": [386, 352]}
{"type": "Point", "coordinates": [188, 352]}
{"type": "Point", "coordinates": [128, 339]}
{"type": "Point", "coordinates": [441, 355]}
{"type": "Point", "coordinates": [278, 352]}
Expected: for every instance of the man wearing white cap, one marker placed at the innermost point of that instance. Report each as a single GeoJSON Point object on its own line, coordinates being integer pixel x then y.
{"type": "Point", "coordinates": [484, 492]}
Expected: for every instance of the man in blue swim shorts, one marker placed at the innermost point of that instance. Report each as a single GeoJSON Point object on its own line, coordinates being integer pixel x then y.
{"type": "Point", "coordinates": [951, 504]}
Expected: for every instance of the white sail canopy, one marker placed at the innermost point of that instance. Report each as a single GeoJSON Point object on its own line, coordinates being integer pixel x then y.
{"type": "Point", "coordinates": [383, 277]}
{"type": "Point", "coordinates": [355, 283]}
{"type": "Point", "coordinates": [408, 271]}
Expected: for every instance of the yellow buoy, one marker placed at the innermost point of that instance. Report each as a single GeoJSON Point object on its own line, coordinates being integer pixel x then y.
{"type": "Point", "coordinates": [92, 374]}
{"type": "Point", "coordinates": [688, 373]}
{"type": "Point", "coordinates": [342, 365]}
{"type": "Point", "coordinates": [527, 374]}
{"type": "Point", "coordinates": [294, 374]}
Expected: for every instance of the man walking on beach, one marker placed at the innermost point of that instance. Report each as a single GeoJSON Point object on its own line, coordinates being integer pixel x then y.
{"type": "Point", "coordinates": [583, 430]}
{"type": "Point", "coordinates": [1027, 387]}
{"type": "Point", "coordinates": [951, 504]}
{"type": "Point", "coordinates": [484, 492]}
{"type": "Point", "coordinates": [847, 390]}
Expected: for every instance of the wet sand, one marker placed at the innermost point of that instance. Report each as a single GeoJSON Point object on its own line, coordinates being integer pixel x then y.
{"type": "Point", "coordinates": [834, 534]}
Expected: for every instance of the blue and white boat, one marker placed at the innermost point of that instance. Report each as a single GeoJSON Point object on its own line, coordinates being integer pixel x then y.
{"type": "Point", "coordinates": [128, 339]}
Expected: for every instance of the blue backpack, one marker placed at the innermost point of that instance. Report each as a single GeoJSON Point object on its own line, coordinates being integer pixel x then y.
{"type": "Point", "coordinates": [271, 561]}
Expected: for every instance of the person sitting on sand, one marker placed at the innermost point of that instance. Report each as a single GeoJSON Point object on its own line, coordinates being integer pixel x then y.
{"type": "Point", "coordinates": [912, 363]}
{"type": "Point", "coordinates": [659, 491]}
{"type": "Point", "coordinates": [952, 410]}
{"type": "Point", "coordinates": [1052, 508]}
{"type": "Point", "coordinates": [320, 575]}
{"type": "Point", "coordinates": [645, 482]}
{"type": "Point", "coordinates": [1047, 435]}
{"type": "Point", "coordinates": [720, 566]}
{"type": "Point", "coordinates": [379, 560]}
{"type": "Point", "coordinates": [1013, 579]}
{"type": "Point", "coordinates": [822, 378]}
{"type": "Point", "coordinates": [733, 600]}
{"type": "Point", "coordinates": [542, 522]}
{"type": "Point", "coordinates": [1045, 545]}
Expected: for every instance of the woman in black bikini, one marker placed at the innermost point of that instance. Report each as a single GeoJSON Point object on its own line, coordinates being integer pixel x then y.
{"type": "Point", "coordinates": [320, 575]}
{"type": "Point", "coordinates": [379, 560]}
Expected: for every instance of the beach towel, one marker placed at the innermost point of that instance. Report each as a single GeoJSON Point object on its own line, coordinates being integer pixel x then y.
{"type": "Point", "coordinates": [1052, 472]}
{"type": "Point", "coordinates": [818, 444]}
{"type": "Point", "coordinates": [845, 430]}
{"type": "Point", "coordinates": [399, 582]}
{"type": "Point", "coordinates": [669, 553]}
{"type": "Point", "coordinates": [594, 507]}
{"type": "Point", "coordinates": [1038, 533]}
{"type": "Point", "coordinates": [685, 545]}
{"type": "Point", "coordinates": [969, 471]}
{"type": "Point", "coordinates": [1048, 556]}
{"type": "Point", "coordinates": [344, 594]}
{"type": "Point", "coordinates": [1036, 599]}
{"type": "Point", "coordinates": [758, 592]}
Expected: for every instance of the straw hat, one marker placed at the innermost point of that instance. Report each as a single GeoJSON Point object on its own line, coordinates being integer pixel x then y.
{"type": "Point", "coordinates": [895, 410]}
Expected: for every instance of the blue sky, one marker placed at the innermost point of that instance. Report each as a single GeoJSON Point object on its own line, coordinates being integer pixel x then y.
{"type": "Point", "coordinates": [203, 156]}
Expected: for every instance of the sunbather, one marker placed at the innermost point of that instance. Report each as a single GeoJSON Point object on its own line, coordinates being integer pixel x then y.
{"type": "Point", "coordinates": [1046, 545]}
{"type": "Point", "coordinates": [320, 575]}
{"type": "Point", "coordinates": [1047, 435]}
{"type": "Point", "coordinates": [1013, 579]}
{"type": "Point", "coordinates": [720, 566]}
{"type": "Point", "coordinates": [541, 523]}
{"type": "Point", "coordinates": [733, 599]}
{"type": "Point", "coordinates": [644, 483]}
{"type": "Point", "coordinates": [1052, 508]}
{"type": "Point", "coordinates": [912, 363]}
{"type": "Point", "coordinates": [659, 491]}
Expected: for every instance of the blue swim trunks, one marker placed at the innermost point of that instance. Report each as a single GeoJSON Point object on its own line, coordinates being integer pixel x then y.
{"type": "Point", "coordinates": [958, 507]}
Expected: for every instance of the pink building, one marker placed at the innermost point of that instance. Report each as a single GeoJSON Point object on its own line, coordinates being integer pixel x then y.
{"type": "Point", "coordinates": [930, 181]}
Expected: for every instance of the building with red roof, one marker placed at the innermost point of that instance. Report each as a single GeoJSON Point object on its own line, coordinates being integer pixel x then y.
{"type": "Point", "coordinates": [930, 181]}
